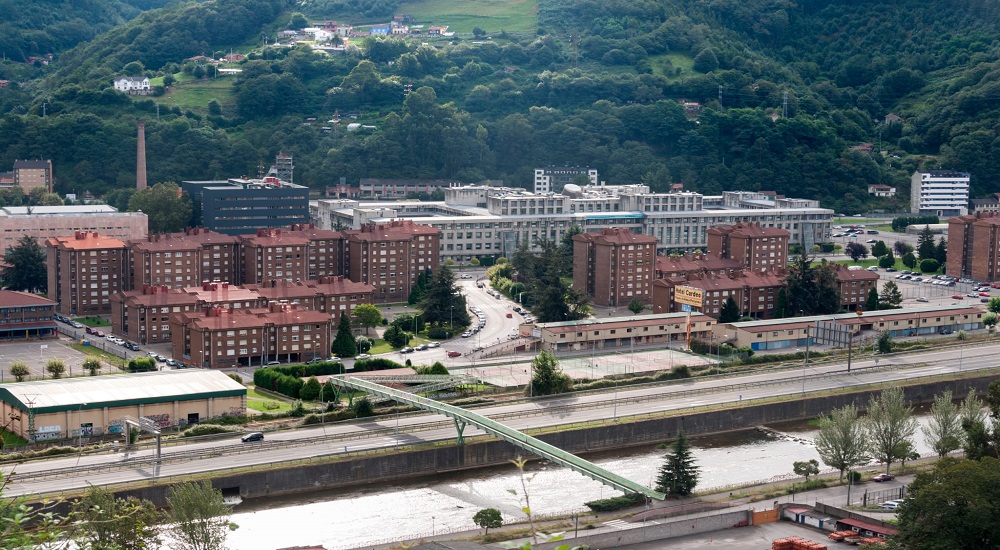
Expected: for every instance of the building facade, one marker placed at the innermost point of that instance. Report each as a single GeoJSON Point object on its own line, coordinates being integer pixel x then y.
{"type": "Point", "coordinates": [754, 247]}
{"type": "Point", "coordinates": [241, 206]}
{"type": "Point", "coordinates": [335, 296]}
{"type": "Point", "coordinates": [854, 286]}
{"type": "Point", "coordinates": [33, 174]}
{"type": "Point", "coordinates": [554, 178]}
{"type": "Point", "coordinates": [222, 338]}
{"type": "Point", "coordinates": [974, 246]}
{"type": "Point", "coordinates": [614, 266]}
{"type": "Point", "coordinates": [620, 332]}
{"type": "Point", "coordinates": [84, 271]}
{"type": "Point", "coordinates": [43, 222]}
{"type": "Point", "coordinates": [24, 316]}
{"type": "Point", "coordinates": [941, 193]}
{"type": "Point", "coordinates": [391, 256]}
{"type": "Point", "coordinates": [133, 85]}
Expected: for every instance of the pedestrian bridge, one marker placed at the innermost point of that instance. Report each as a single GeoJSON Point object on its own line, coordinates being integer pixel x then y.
{"type": "Point", "coordinates": [463, 418]}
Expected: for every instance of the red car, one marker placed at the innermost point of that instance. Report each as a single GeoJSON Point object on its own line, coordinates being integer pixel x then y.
{"type": "Point", "coordinates": [454, 353]}
{"type": "Point", "coordinates": [995, 285]}
{"type": "Point", "coordinates": [985, 294]}
{"type": "Point", "coordinates": [957, 297]}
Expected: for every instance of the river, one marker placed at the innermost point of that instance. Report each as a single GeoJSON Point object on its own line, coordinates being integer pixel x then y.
{"type": "Point", "coordinates": [383, 513]}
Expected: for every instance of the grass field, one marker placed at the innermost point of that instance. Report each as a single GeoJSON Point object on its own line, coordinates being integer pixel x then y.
{"type": "Point", "coordinates": [108, 358]}
{"type": "Point", "coordinates": [12, 440]}
{"type": "Point", "coordinates": [665, 65]}
{"type": "Point", "coordinates": [265, 403]}
{"type": "Point", "coordinates": [196, 94]}
{"type": "Point", "coordinates": [93, 321]}
{"type": "Point", "coordinates": [462, 16]}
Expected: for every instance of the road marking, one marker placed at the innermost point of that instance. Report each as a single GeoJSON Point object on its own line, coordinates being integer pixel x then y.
{"type": "Point", "coordinates": [617, 524]}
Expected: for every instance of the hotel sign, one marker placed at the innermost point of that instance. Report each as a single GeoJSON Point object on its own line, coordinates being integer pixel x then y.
{"type": "Point", "coordinates": [688, 295]}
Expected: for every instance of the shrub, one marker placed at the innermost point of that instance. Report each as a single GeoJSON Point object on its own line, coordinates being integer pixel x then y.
{"type": "Point", "coordinates": [808, 485]}
{"type": "Point", "coordinates": [362, 408]}
{"type": "Point", "coordinates": [375, 363]}
{"type": "Point", "coordinates": [616, 503]}
{"type": "Point", "coordinates": [929, 265]}
{"type": "Point", "coordinates": [437, 332]}
{"type": "Point", "coordinates": [209, 429]}
{"type": "Point", "coordinates": [226, 420]}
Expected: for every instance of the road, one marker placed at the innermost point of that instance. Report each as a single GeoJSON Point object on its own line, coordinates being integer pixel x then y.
{"type": "Point", "coordinates": [388, 432]}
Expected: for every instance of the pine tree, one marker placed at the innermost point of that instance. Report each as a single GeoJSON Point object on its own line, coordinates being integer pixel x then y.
{"type": "Point", "coordinates": [941, 251]}
{"type": "Point", "coordinates": [25, 268]}
{"type": "Point", "coordinates": [343, 344]}
{"type": "Point", "coordinates": [679, 474]}
{"type": "Point", "coordinates": [730, 312]}
{"type": "Point", "coordinates": [925, 244]}
{"type": "Point", "coordinates": [891, 297]}
{"type": "Point", "coordinates": [871, 304]}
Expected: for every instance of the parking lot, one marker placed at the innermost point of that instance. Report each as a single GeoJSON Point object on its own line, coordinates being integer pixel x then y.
{"type": "Point", "coordinates": [754, 537]}
{"type": "Point", "coordinates": [36, 353]}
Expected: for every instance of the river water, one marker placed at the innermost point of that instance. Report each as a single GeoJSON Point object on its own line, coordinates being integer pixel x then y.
{"type": "Point", "coordinates": [383, 513]}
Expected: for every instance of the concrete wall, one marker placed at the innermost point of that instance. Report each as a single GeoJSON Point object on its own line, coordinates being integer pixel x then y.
{"type": "Point", "coordinates": [656, 531]}
{"type": "Point", "coordinates": [366, 469]}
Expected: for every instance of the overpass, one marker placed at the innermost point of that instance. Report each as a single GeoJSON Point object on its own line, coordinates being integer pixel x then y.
{"type": "Point", "coordinates": [463, 418]}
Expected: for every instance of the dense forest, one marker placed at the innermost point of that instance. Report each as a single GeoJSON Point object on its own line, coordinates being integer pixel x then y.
{"type": "Point", "coordinates": [789, 93]}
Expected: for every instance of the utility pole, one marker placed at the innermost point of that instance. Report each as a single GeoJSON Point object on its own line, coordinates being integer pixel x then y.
{"type": "Point", "coordinates": [784, 104]}
{"type": "Point", "coordinates": [720, 94]}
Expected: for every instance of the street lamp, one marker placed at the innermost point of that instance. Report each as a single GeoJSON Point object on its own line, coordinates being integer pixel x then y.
{"type": "Point", "coordinates": [79, 416]}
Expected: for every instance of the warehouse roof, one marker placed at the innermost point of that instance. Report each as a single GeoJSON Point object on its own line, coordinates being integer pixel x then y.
{"type": "Point", "coordinates": [97, 392]}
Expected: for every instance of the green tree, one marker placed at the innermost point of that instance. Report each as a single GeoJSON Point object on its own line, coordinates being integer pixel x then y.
{"type": "Point", "coordinates": [842, 442]}
{"type": "Point", "coordinates": [871, 304]}
{"type": "Point", "coordinates": [891, 297]}
{"type": "Point", "coordinates": [92, 365]}
{"type": "Point", "coordinates": [19, 370]}
{"type": "Point", "coordinates": [419, 289]}
{"type": "Point", "coordinates": [24, 526]}
{"type": "Point", "coordinates": [488, 518]}
{"type": "Point", "coordinates": [805, 468]}
{"type": "Point", "coordinates": [879, 249]}
{"type": "Point", "coordinates": [706, 61]}
{"type": "Point", "coordinates": [886, 261]}
{"type": "Point", "coordinates": [909, 260]}
{"type": "Point", "coordinates": [546, 376]}
{"type": "Point", "coordinates": [953, 506]}
{"type": "Point", "coordinates": [901, 248]}
{"type": "Point", "coordinates": [889, 422]}
{"type": "Point", "coordinates": [730, 312]}
{"type": "Point", "coordinates": [941, 252]}
{"type": "Point", "coordinates": [363, 343]}
{"type": "Point", "coordinates": [930, 265]}
{"type": "Point", "coordinates": [298, 21]}
{"type": "Point", "coordinates": [993, 306]}
{"type": "Point", "coordinates": [635, 306]}
{"type": "Point", "coordinates": [781, 305]}
{"type": "Point", "coordinates": [679, 474]}
{"type": "Point", "coordinates": [310, 390]}
{"type": "Point", "coordinates": [925, 245]}
{"type": "Point", "coordinates": [442, 302]}
{"type": "Point", "coordinates": [25, 270]}
{"type": "Point", "coordinates": [990, 321]}
{"type": "Point", "coordinates": [437, 368]}
{"type": "Point", "coordinates": [944, 430]}
{"type": "Point", "coordinates": [812, 290]}
{"type": "Point", "coordinates": [55, 367]}
{"type": "Point", "coordinates": [362, 408]}
{"type": "Point", "coordinates": [368, 316]}
{"type": "Point", "coordinates": [107, 522]}
{"type": "Point", "coordinates": [396, 337]}
{"type": "Point", "coordinates": [343, 343]}
{"type": "Point", "coordinates": [167, 209]}
{"type": "Point", "coordinates": [197, 516]}
{"type": "Point", "coordinates": [856, 251]}
{"type": "Point", "coordinates": [884, 342]}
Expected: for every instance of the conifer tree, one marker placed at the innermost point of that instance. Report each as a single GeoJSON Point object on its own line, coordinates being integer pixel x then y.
{"type": "Point", "coordinates": [679, 474]}
{"type": "Point", "coordinates": [343, 344]}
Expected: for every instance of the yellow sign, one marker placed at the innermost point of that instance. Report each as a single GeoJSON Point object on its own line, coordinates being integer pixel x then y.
{"type": "Point", "coordinates": [688, 295]}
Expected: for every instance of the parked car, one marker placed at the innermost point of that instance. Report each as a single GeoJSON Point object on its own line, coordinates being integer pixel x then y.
{"type": "Point", "coordinates": [423, 347]}
{"type": "Point", "coordinates": [890, 269]}
{"type": "Point", "coordinates": [90, 330]}
{"type": "Point", "coordinates": [454, 354]}
{"type": "Point", "coordinates": [466, 334]}
{"type": "Point", "coordinates": [973, 295]}
{"type": "Point", "coordinates": [406, 350]}
{"type": "Point", "coordinates": [434, 345]}
{"type": "Point", "coordinates": [161, 359]}
{"type": "Point", "coordinates": [891, 505]}
{"type": "Point", "coordinates": [75, 324]}
{"type": "Point", "coordinates": [995, 285]}
{"type": "Point", "coordinates": [922, 299]}
{"type": "Point", "coordinates": [465, 276]}
{"type": "Point", "coordinates": [255, 436]}
{"type": "Point", "coordinates": [99, 334]}
{"type": "Point", "coordinates": [957, 297]}
{"type": "Point", "coordinates": [362, 356]}
{"type": "Point", "coordinates": [131, 346]}
{"type": "Point", "coordinates": [984, 294]}
{"type": "Point", "coordinates": [872, 268]}
{"type": "Point", "coordinates": [172, 363]}
{"type": "Point", "coordinates": [872, 232]}
{"type": "Point", "coordinates": [883, 477]}
{"type": "Point", "coordinates": [871, 241]}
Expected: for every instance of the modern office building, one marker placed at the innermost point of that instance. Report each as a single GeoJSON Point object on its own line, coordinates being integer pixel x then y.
{"type": "Point", "coordinates": [553, 179]}
{"type": "Point", "coordinates": [220, 337]}
{"type": "Point", "coordinates": [614, 266]}
{"type": "Point", "coordinates": [84, 271]}
{"type": "Point", "coordinates": [390, 256]}
{"type": "Point", "coordinates": [974, 246]}
{"type": "Point", "coordinates": [32, 174]}
{"type": "Point", "coordinates": [488, 222]}
{"type": "Point", "coordinates": [941, 193]}
{"type": "Point", "coordinates": [241, 206]}
{"type": "Point", "coordinates": [44, 222]}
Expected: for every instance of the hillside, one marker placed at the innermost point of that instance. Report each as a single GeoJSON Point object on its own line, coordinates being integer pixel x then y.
{"type": "Point", "coordinates": [786, 91]}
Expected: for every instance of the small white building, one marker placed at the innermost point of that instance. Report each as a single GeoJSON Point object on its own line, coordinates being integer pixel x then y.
{"type": "Point", "coordinates": [880, 190]}
{"type": "Point", "coordinates": [132, 85]}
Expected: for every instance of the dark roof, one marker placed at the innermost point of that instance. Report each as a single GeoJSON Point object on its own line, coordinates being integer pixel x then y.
{"type": "Point", "coordinates": [32, 164]}
{"type": "Point", "coordinates": [874, 528]}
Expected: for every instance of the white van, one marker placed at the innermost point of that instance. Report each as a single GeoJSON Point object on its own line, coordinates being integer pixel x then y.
{"type": "Point", "coordinates": [854, 268]}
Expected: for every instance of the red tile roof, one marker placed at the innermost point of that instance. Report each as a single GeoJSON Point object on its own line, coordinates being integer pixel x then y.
{"type": "Point", "coordinates": [86, 240]}
{"type": "Point", "coordinates": [12, 298]}
{"type": "Point", "coordinates": [616, 235]}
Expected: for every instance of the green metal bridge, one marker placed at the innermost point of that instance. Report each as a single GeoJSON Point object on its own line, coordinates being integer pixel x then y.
{"type": "Point", "coordinates": [463, 418]}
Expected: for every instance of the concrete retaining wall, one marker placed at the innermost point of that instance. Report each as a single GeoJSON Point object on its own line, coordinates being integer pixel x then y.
{"type": "Point", "coordinates": [407, 465]}
{"type": "Point", "coordinates": [657, 531]}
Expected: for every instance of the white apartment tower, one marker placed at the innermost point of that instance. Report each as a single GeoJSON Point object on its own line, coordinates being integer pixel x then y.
{"type": "Point", "coordinates": [554, 178]}
{"type": "Point", "coordinates": [942, 193]}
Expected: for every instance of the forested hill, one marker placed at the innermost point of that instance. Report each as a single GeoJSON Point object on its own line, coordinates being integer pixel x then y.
{"type": "Point", "coordinates": [39, 27]}
{"type": "Point", "coordinates": [791, 94]}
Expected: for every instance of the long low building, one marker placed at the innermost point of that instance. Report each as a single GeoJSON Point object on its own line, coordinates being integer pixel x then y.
{"type": "Point", "coordinates": [43, 222]}
{"type": "Point", "coordinates": [835, 330]}
{"type": "Point", "coordinates": [97, 405]}
{"type": "Point", "coordinates": [619, 332]}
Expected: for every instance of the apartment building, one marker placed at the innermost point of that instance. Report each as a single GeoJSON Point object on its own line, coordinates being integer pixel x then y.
{"type": "Point", "coordinates": [33, 174]}
{"type": "Point", "coordinates": [390, 256]}
{"type": "Point", "coordinates": [941, 193]}
{"type": "Point", "coordinates": [219, 258]}
{"type": "Point", "coordinates": [614, 266]}
{"type": "Point", "coordinates": [336, 296]}
{"type": "Point", "coordinates": [689, 264]}
{"type": "Point", "coordinates": [84, 271]}
{"type": "Point", "coordinates": [756, 294]}
{"type": "Point", "coordinates": [24, 316]}
{"type": "Point", "coordinates": [324, 250]}
{"type": "Point", "coordinates": [754, 247]}
{"type": "Point", "coordinates": [974, 246]}
{"type": "Point", "coordinates": [854, 286]}
{"type": "Point", "coordinates": [164, 260]}
{"type": "Point", "coordinates": [43, 222]}
{"type": "Point", "coordinates": [143, 315]}
{"type": "Point", "coordinates": [222, 337]}
{"type": "Point", "coordinates": [555, 178]}
{"type": "Point", "coordinates": [272, 254]}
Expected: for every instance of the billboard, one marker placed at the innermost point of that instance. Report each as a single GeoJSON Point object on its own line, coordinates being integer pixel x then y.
{"type": "Point", "coordinates": [688, 295]}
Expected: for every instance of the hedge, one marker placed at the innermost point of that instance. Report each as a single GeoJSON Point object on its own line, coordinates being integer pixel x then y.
{"type": "Point", "coordinates": [616, 503]}
{"type": "Point", "coordinates": [287, 379]}
{"type": "Point", "coordinates": [375, 363]}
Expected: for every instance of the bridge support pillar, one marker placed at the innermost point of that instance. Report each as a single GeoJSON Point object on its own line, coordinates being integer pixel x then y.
{"type": "Point", "coordinates": [459, 427]}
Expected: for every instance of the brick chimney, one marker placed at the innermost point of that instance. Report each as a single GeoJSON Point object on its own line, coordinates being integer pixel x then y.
{"type": "Point", "coordinates": [140, 160]}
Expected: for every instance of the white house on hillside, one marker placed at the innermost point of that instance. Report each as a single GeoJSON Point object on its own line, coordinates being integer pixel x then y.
{"type": "Point", "coordinates": [132, 85]}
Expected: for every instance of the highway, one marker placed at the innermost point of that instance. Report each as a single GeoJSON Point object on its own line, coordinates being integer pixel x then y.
{"type": "Point", "coordinates": [77, 471]}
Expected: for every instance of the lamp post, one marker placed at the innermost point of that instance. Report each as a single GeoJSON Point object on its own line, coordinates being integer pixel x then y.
{"type": "Point", "coordinates": [451, 322]}
{"type": "Point", "coordinates": [79, 416]}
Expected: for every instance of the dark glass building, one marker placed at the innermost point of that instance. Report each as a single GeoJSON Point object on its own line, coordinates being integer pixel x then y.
{"type": "Point", "coordinates": [242, 206]}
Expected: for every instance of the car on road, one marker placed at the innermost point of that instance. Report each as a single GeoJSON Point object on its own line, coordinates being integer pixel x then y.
{"type": "Point", "coordinates": [872, 268]}
{"type": "Point", "coordinates": [423, 347]}
{"type": "Point", "coordinates": [466, 334]}
{"type": "Point", "coordinates": [255, 436]}
{"type": "Point", "coordinates": [890, 269]}
{"type": "Point", "coordinates": [922, 299]}
{"type": "Point", "coordinates": [434, 344]}
{"type": "Point", "coordinates": [984, 294]}
{"type": "Point", "coordinates": [362, 356]}
{"type": "Point", "coordinates": [973, 295]}
{"type": "Point", "coordinates": [131, 346]}
{"type": "Point", "coordinates": [883, 477]}
{"type": "Point", "coordinates": [172, 363]}
{"type": "Point", "coordinates": [510, 315]}
{"type": "Point", "coordinates": [891, 505]}
{"type": "Point", "coordinates": [407, 350]}
{"type": "Point", "coordinates": [454, 354]}
{"type": "Point", "coordinates": [479, 285]}
{"type": "Point", "coordinates": [465, 276]}
{"type": "Point", "coordinates": [871, 241]}
{"type": "Point", "coordinates": [957, 297]}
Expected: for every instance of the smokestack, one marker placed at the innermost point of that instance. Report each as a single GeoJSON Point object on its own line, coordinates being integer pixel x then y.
{"type": "Point", "coordinates": [140, 161]}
